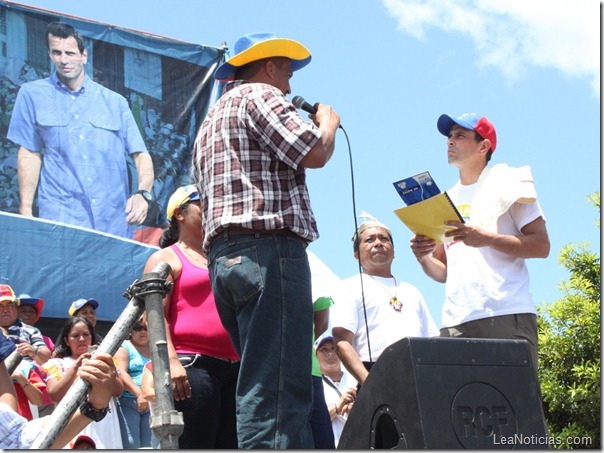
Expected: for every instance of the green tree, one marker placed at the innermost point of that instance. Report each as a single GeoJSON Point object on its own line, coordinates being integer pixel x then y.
{"type": "Point", "coordinates": [569, 349]}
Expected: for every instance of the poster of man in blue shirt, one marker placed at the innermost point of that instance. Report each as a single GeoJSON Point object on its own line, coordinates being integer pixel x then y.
{"type": "Point", "coordinates": [74, 136]}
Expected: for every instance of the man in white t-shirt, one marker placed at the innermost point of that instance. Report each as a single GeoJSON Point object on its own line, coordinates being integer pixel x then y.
{"type": "Point", "coordinates": [487, 281]}
{"type": "Point", "coordinates": [375, 309]}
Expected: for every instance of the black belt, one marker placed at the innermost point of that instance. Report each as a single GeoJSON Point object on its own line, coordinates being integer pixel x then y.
{"type": "Point", "coordinates": [193, 359]}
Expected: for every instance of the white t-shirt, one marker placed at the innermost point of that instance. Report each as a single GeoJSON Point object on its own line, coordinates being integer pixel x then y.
{"type": "Point", "coordinates": [106, 433]}
{"type": "Point", "coordinates": [386, 326]}
{"type": "Point", "coordinates": [333, 397]}
{"type": "Point", "coordinates": [482, 282]}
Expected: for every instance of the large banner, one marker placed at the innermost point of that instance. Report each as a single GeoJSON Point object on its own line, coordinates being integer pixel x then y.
{"type": "Point", "coordinates": [168, 86]}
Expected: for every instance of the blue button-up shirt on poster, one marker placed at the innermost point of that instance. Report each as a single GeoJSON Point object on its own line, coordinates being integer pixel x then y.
{"type": "Point", "coordinates": [83, 137]}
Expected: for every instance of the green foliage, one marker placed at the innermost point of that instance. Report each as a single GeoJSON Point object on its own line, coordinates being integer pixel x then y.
{"type": "Point", "coordinates": [569, 349]}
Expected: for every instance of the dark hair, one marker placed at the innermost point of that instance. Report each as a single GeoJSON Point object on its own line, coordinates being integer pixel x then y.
{"type": "Point", "coordinates": [247, 71]}
{"type": "Point", "coordinates": [480, 138]}
{"type": "Point", "coordinates": [64, 31]}
{"type": "Point", "coordinates": [171, 233]}
{"type": "Point", "coordinates": [62, 349]}
{"type": "Point", "coordinates": [356, 238]}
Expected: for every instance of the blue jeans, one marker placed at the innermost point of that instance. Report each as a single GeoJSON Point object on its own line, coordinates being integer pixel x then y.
{"type": "Point", "coordinates": [134, 426]}
{"type": "Point", "coordinates": [262, 288]}
{"type": "Point", "coordinates": [209, 415]}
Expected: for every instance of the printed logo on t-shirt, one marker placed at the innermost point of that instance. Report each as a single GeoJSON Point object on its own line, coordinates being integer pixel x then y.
{"type": "Point", "coordinates": [464, 210]}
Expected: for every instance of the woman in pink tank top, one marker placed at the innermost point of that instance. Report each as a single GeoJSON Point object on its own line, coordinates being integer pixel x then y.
{"type": "Point", "coordinates": [203, 362]}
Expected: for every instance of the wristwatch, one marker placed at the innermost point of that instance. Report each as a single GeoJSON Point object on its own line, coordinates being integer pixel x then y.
{"type": "Point", "coordinates": [92, 413]}
{"type": "Point", "coordinates": [146, 195]}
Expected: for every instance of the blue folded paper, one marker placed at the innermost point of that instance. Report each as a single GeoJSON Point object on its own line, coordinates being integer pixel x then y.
{"type": "Point", "coordinates": [416, 188]}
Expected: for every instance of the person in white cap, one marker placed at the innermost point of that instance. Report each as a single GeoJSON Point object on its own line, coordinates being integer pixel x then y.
{"type": "Point", "coordinates": [484, 268]}
{"type": "Point", "coordinates": [250, 160]}
{"type": "Point", "coordinates": [375, 309]}
{"type": "Point", "coordinates": [86, 308]}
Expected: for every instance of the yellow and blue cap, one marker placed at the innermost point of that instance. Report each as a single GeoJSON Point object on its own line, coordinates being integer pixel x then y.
{"type": "Point", "coordinates": [257, 46]}
{"type": "Point", "coordinates": [180, 197]}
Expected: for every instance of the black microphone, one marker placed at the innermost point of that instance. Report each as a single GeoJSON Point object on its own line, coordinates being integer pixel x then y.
{"type": "Point", "coordinates": [300, 103]}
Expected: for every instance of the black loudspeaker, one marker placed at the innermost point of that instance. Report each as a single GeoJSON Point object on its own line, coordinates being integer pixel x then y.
{"type": "Point", "coordinates": [442, 393]}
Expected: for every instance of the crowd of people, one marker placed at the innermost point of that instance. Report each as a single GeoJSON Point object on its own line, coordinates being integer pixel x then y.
{"type": "Point", "coordinates": [257, 357]}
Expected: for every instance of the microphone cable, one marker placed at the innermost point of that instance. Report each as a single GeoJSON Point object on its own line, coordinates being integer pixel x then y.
{"type": "Point", "coordinates": [300, 103]}
{"type": "Point", "coordinates": [357, 240]}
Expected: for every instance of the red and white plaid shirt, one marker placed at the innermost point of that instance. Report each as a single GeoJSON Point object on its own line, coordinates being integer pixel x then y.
{"type": "Point", "coordinates": [246, 163]}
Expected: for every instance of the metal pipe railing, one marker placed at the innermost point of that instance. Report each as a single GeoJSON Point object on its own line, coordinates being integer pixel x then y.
{"type": "Point", "coordinates": [152, 287]}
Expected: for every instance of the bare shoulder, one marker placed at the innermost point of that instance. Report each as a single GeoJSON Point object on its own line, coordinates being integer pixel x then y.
{"type": "Point", "coordinates": [166, 255]}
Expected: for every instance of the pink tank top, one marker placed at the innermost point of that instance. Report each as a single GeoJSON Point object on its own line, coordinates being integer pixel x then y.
{"type": "Point", "coordinates": [194, 323]}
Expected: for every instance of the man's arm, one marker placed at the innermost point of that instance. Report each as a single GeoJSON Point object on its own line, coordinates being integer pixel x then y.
{"type": "Point", "coordinates": [328, 121]}
{"type": "Point", "coordinates": [342, 338]}
{"type": "Point", "coordinates": [42, 354]}
{"type": "Point", "coordinates": [7, 389]}
{"type": "Point", "coordinates": [321, 322]}
{"type": "Point", "coordinates": [137, 206]}
{"type": "Point", "coordinates": [28, 171]}
{"type": "Point", "coordinates": [431, 257]}
{"type": "Point", "coordinates": [38, 351]}
{"type": "Point", "coordinates": [532, 243]}
{"type": "Point", "coordinates": [144, 168]}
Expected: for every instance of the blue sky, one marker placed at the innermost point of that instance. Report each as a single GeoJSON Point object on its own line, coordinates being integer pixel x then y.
{"type": "Point", "coordinates": [390, 68]}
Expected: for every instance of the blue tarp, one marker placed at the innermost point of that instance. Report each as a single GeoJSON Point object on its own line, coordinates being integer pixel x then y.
{"type": "Point", "coordinates": [60, 263]}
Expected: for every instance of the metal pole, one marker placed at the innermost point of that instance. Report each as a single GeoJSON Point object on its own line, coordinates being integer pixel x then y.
{"type": "Point", "coordinates": [110, 344]}
{"type": "Point", "coordinates": [12, 361]}
{"type": "Point", "coordinates": [167, 423]}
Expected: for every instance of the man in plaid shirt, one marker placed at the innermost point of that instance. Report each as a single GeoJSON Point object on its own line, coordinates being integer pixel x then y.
{"type": "Point", "coordinates": [250, 159]}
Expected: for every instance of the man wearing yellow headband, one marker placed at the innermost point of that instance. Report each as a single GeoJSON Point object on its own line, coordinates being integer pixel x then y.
{"type": "Point", "coordinates": [250, 159]}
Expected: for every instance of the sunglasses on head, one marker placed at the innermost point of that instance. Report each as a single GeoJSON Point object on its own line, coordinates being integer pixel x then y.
{"type": "Point", "coordinates": [139, 328]}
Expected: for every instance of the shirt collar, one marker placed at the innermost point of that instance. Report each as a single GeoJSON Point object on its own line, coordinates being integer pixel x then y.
{"type": "Point", "coordinates": [57, 82]}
